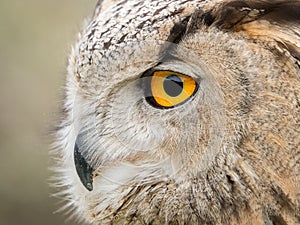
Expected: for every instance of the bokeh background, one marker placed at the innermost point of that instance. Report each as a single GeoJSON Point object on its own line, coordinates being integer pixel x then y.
{"type": "Point", "coordinates": [35, 39]}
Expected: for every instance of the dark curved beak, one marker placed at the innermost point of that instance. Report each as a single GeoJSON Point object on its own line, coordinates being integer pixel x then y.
{"type": "Point", "coordinates": [83, 168]}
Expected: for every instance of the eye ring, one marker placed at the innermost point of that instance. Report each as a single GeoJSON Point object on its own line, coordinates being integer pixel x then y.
{"type": "Point", "coordinates": [166, 89]}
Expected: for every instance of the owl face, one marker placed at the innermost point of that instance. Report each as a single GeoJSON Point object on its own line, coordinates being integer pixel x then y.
{"type": "Point", "coordinates": [174, 114]}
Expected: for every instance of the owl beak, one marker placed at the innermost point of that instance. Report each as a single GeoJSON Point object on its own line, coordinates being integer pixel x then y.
{"type": "Point", "coordinates": [83, 168]}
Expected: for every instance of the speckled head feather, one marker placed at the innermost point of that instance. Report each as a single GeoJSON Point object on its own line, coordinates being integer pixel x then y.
{"type": "Point", "coordinates": [184, 112]}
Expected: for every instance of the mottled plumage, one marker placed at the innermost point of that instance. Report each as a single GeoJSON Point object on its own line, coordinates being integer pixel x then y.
{"type": "Point", "coordinates": [229, 154]}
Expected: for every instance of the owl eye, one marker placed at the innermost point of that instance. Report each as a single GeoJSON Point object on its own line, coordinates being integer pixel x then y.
{"type": "Point", "coordinates": [167, 89]}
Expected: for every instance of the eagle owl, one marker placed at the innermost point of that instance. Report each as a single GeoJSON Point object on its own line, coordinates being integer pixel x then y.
{"type": "Point", "coordinates": [184, 112]}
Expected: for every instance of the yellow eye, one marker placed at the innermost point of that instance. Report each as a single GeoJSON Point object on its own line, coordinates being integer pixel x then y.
{"type": "Point", "coordinates": [169, 89]}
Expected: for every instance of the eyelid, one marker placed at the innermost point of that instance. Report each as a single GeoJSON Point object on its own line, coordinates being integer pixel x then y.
{"type": "Point", "coordinates": [177, 66]}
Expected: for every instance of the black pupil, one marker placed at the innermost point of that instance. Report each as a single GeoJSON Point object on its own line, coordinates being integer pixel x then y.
{"type": "Point", "coordinates": [173, 85]}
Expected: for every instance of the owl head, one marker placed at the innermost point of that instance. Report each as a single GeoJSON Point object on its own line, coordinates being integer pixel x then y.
{"type": "Point", "coordinates": [184, 112]}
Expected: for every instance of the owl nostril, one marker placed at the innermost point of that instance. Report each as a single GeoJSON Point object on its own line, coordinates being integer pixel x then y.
{"type": "Point", "coordinates": [83, 168]}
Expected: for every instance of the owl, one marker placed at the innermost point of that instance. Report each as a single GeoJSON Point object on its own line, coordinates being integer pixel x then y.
{"type": "Point", "coordinates": [183, 112]}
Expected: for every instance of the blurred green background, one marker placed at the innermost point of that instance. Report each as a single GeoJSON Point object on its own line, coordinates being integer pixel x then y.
{"type": "Point", "coordinates": [35, 39]}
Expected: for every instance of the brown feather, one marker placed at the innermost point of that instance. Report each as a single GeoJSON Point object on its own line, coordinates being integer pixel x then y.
{"type": "Point", "coordinates": [270, 20]}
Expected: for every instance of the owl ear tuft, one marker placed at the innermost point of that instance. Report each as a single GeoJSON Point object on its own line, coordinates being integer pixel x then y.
{"type": "Point", "coordinates": [270, 20]}
{"type": "Point", "coordinates": [232, 14]}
